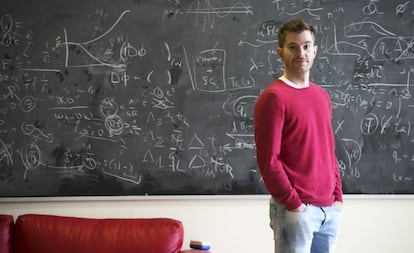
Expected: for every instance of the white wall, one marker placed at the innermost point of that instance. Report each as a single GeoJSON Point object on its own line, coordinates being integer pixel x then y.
{"type": "Point", "coordinates": [240, 224]}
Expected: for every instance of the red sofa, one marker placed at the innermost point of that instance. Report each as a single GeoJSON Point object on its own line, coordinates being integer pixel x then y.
{"type": "Point", "coordinates": [35, 233]}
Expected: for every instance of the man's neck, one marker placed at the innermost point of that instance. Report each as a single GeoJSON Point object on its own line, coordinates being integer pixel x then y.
{"type": "Point", "coordinates": [300, 80]}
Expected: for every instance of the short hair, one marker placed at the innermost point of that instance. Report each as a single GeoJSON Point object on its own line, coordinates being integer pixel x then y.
{"type": "Point", "coordinates": [294, 25]}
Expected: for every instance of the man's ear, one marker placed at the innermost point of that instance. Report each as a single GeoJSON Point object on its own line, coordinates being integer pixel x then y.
{"type": "Point", "coordinates": [316, 49]}
{"type": "Point", "coordinates": [279, 51]}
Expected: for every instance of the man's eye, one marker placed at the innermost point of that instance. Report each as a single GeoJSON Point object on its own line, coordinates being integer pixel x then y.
{"type": "Point", "coordinates": [292, 48]}
{"type": "Point", "coordinates": [307, 47]}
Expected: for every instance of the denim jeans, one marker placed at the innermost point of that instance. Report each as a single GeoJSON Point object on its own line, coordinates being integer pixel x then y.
{"type": "Point", "coordinates": [314, 230]}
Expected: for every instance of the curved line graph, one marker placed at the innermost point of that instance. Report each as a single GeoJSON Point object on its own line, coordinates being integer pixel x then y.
{"type": "Point", "coordinates": [81, 45]}
{"type": "Point", "coordinates": [109, 30]}
{"type": "Point", "coordinates": [309, 11]}
{"type": "Point", "coordinates": [358, 26]}
{"type": "Point", "coordinates": [222, 12]}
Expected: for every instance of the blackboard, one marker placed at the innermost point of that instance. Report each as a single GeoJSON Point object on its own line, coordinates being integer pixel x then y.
{"type": "Point", "coordinates": [151, 97]}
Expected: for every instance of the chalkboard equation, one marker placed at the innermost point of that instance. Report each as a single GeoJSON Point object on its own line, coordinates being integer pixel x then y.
{"type": "Point", "coordinates": [156, 97]}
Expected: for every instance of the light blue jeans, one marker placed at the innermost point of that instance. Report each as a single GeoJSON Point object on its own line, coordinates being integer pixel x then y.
{"type": "Point", "coordinates": [314, 230]}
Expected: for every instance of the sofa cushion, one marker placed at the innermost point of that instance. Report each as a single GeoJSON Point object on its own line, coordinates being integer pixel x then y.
{"type": "Point", "coordinates": [47, 233]}
{"type": "Point", "coordinates": [6, 233]}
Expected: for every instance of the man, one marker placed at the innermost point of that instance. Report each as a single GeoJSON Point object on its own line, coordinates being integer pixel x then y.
{"type": "Point", "coordinates": [295, 150]}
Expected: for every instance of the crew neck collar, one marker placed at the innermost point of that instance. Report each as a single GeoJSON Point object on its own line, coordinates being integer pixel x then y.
{"type": "Point", "coordinates": [292, 84]}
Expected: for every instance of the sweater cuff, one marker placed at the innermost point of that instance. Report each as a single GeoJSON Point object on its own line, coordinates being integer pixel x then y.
{"type": "Point", "coordinates": [338, 197]}
{"type": "Point", "coordinates": [292, 205]}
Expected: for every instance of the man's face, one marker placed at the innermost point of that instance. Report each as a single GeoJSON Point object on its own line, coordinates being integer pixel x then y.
{"type": "Point", "coordinates": [298, 52]}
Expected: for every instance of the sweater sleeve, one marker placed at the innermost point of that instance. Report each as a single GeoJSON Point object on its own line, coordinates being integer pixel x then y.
{"type": "Point", "coordinates": [268, 126]}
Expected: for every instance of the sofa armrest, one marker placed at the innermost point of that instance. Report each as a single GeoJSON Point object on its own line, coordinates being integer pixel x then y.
{"type": "Point", "coordinates": [6, 233]}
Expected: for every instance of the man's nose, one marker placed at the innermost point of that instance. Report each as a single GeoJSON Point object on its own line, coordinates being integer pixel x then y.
{"type": "Point", "coordinates": [301, 51]}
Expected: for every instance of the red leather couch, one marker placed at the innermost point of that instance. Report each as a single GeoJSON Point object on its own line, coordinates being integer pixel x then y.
{"type": "Point", "coordinates": [35, 233]}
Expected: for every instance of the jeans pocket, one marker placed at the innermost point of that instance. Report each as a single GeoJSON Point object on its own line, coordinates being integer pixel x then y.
{"type": "Point", "coordinates": [339, 209]}
{"type": "Point", "coordinates": [304, 210]}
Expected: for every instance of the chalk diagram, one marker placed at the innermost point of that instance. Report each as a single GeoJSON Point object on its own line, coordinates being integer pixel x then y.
{"type": "Point", "coordinates": [84, 47]}
{"type": "Point", "coordinates": [209, 12]}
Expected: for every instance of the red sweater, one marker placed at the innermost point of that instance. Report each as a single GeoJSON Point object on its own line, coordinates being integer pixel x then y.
{"type": "Point", "coordinates": [295, 145]}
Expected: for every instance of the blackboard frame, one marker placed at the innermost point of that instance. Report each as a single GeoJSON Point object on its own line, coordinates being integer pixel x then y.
{"type": "Point", "coordinates": [359, 65]}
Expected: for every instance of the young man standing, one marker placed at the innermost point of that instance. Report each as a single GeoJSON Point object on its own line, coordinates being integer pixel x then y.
{"type": "Point", "coordinates": [295, 150]}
